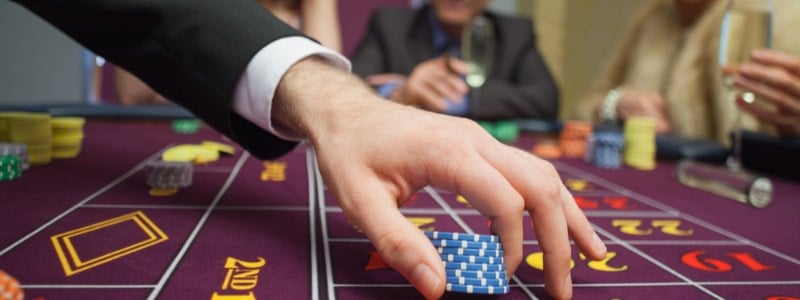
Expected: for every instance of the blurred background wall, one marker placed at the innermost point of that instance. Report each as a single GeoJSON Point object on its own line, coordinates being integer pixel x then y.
{"type": "Point", "coordinates": [38, 64]}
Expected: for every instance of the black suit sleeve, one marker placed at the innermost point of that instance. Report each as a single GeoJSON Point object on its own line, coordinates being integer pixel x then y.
{"type": "Point", "coordinates": [530, 92]}
{"type": "Point", "coordinates": [191, 51]}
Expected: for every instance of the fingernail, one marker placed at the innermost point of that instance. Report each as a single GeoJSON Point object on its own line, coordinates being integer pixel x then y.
{"type": "Point", "coordinates": [597, 244]}
{"type": "Point", "coordinates": [424, 276]}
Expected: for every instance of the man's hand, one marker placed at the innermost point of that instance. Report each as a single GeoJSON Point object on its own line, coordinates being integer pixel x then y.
{"type": "Point", "coordinates": [376, 154]}
{"type": "Point", "coordinates": [775, 78]}
{"type": "Point", "coordinates": [385, 78]}
{"type": "Point", "coordinates": [432, 84]}
{"type": "Point", "coordinates": [636, 103]}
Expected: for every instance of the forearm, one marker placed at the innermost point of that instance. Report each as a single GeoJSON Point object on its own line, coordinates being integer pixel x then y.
{"type": "Point", "coordinates": [314, 99]}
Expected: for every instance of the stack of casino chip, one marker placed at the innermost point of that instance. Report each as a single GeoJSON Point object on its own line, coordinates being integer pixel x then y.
{"type": "Point", "coordinates": [166, 177]}
{"type": "Point", "coordinates": [606, 149]}
{"type": "Point", "coordinates": [16, 149]}
{"type": "Point", "coordinates": [33, 130]}
{"type": "Point", "coordinates": [640, 143]}
{"type": "Point", "coordinates": [67, 136]}
{"type": "Point", "coordinates": [5, 132]}
{"type": "Point", "coordinates": [473, 263]}
{"type": "Point", "coordinates": [573, 138]}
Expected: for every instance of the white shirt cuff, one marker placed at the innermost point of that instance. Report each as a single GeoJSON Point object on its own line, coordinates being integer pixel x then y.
{"type": "Point", "coordinates": [255, 90]}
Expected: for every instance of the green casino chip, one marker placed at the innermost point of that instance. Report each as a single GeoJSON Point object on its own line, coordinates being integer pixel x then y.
{"type": "Point", "coordinates": [10, 167]}
{"type": "Point", "coordinates": [186, 126]}
{"type": "Point", "coordinates": [507, 131]}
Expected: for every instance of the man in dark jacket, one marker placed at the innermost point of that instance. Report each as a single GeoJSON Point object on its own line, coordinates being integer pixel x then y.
{"type": "Point", "coordinates": [402, 55]}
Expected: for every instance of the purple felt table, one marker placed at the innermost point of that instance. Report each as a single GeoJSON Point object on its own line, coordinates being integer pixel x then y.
{"type": "Point", "coordinates": [86, 228]}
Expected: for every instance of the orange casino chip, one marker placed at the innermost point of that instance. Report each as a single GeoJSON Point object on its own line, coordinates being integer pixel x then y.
{"type": "Point", "coordinates": [573, 138]}
{"type": "Point", "coordinates": [547, 150]}
{"type": "Point", "coordinates": [573, 148]}
{"type": "Point", "coordinates": [9, 287]}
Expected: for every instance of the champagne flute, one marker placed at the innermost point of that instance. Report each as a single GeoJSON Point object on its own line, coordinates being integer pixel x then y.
{"type": "Point", "coordinates": [477, 49]}
{"type": "Point", "coordinates": [746, 26]}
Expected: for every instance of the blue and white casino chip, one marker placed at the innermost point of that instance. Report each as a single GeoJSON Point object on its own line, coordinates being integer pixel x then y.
{"type": "Point", "coordinates": [471, 259]}
{"type": "Point", "coordinates": [476, 274]}
{"type": "Point", "coordinates": [472, 289]}
{"type": "Point", "coordinates": [474, 267]}
{"type": "Point", "coordinates": [477, 281]}
{"type": "Point", "coordinates": [436, 235]}
{"type": "Point", "coordinates": [471, 252]}
{"type": "Point", "coordinates": [466, 244]}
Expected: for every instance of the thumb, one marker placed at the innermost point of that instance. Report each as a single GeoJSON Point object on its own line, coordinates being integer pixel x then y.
{"type": "Point", "coordinates": [459, 66]}
{"type": "Point", "coordinates": [400, 243]}
{"type": "Point", "coordinates": [406, 249]}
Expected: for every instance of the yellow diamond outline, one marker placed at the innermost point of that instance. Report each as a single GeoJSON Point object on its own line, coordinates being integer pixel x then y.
{"type": "Point", "coordinates": [63, 244]}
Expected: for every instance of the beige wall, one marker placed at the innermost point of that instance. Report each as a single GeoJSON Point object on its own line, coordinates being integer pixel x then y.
{"type": "Point", "coordinates": [576, 37]}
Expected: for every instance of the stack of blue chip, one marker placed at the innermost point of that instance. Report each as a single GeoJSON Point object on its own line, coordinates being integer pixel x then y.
{"type": "Point", "coordinates": [473, 262]}
{"type": "Point", "coordinates": [606, 149]}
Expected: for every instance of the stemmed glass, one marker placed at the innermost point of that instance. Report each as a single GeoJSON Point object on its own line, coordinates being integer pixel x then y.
{"type": "Point", "coordinates": [746, 26]}
{"type": "Point", "coordinates": [477, 49]}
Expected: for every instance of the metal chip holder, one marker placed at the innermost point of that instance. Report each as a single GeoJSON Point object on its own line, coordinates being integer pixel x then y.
{"type": "Point", "coordinates": [744, 187]}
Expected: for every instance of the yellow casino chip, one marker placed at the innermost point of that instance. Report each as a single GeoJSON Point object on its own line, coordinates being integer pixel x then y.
{"type": "Point", "coordinates": [219, 147]}
{"type": "Point", "coordinates": [67, 122]}
{"type": "Point", "coordinates": [156, 192]}
{"type": "Point", "coordinates": [190, 153]}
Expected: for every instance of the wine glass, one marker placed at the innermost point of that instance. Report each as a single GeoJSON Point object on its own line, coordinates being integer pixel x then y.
{"type": "Point", "coordinates": [746, 26]}
{"type": "Point", "coordinates": [477, 49]}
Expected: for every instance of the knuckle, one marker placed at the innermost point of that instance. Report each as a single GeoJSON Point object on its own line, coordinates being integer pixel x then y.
{"type": "Point", "coordinates": [391, 245]}
{"type": "Point", "coordinates": [553, 189]}
{"type": "Point", "coordinates": [446, 136]}
{"type": "Point", "coordinates": [517, 205]}
{"type": "Point", "coordinates": [550, 183]}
